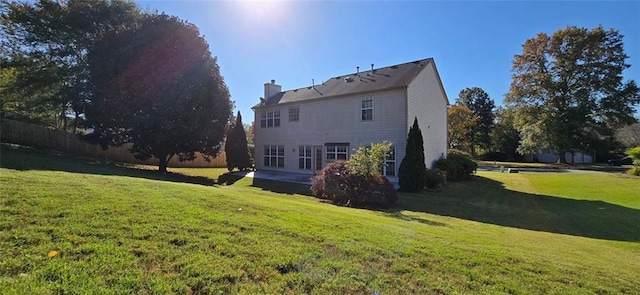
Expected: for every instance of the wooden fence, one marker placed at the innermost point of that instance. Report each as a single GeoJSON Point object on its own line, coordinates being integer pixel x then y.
{"type": "Point", "coordinates": [41, 137]}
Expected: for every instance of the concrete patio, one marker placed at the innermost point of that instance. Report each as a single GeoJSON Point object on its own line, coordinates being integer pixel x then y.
{"type": "Point", "coordinates": [287, 177]}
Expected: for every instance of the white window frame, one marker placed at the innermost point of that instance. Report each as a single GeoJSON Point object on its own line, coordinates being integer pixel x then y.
{"type": "Point", "coordinates": [336, 151]}
{"type": "Point", "coordinates": [366, 107]}
{"type": "Point", "coordinates": [390, 161]}
{"type": "Point", "coordinates": [263, 118]}
{"type": "Point", "coordinates": [274, 156]}
{"type": "Point", "coordinates": [305, 157]}
{"type": "Point", "coordinates": [294, 114]}
{"type": "Point", "coordinates": [270, 118]}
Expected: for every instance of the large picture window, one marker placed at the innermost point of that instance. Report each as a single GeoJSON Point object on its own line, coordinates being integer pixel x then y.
{"type": "Point", "coordinates": [274, 156]}
{"type": "Point", "coordinates": [337, 151]}
{"type": "Point", "coordinates": [367, 109]}
{"type": "Point", "coordinates": [304, 157]}
{"type": "Point", "coordinates": [270, 118]}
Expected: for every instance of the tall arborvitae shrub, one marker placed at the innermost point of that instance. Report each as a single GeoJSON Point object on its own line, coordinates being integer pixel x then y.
{"type": "Point", "coordinates": [236, 147]}
{"type": "Point", "coordinates": [243, 158]}
{"type": "Point", "coordinates": [412, 171]}
{"type": "Point", "coordinates": [229, 147]}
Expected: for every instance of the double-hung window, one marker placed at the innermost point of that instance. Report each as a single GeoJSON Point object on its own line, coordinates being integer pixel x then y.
{"type": "Point", "coordinates": [337, 151]}
{"type": "Point", "coordinates": [274, 156]}
{"type": "Point", "coordinates": [294, 114]}
{"type": "Point", "coordinates": [304, 157]}
{"type": "Point", "coordinates": [366, 109]}
{"type": "Point", "coordinates": [270, 118]}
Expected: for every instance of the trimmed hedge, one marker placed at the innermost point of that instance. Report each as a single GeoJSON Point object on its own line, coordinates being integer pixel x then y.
{"type": "Point", "coordinates": [458, 165]}
{"type": "Point", "coordinates": [435, 178]}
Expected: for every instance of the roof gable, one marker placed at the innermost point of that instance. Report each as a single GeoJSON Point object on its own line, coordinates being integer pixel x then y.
{"type": "Point", "coordinates": [391, 77]}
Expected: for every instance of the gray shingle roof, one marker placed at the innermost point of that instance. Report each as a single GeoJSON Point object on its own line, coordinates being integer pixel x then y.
{"type": "Point", "coordinates": [366, 81]}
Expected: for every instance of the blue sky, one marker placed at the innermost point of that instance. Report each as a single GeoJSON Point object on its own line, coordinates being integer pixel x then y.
{"type": "Point", "coordinates": [472, 42]}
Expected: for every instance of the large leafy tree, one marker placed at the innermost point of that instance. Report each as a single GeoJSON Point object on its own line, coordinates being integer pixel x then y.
{"type": "Point", "coordinates": [629, 135]}
{"type": "Point", "coordinates": [504, 136]}
{"type": "Point", "coordinates": [413, 170]}
{"type": "Point", "coordinates": [47, 42]}
{"type": "Point", "coordinates": [460, 123]}
{"type": "Point", "coordinates": [249, 131]}
{"type": "Point", "coordinates": [157, 86]}
{"type": "Point", "coordinates": [481, 105]}
{"type": "Point", "coordinates": [236, 146]}
{"type": "Point", "coordinates": [566, 85]}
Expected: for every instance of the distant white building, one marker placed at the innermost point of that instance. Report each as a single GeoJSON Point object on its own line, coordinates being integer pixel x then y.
{"type": "Point", "coordinates": [302, 130]}
{"type": "Point", "coordinates": [580, 157]}
{"type": "Point", "coordinates": [552, 157]}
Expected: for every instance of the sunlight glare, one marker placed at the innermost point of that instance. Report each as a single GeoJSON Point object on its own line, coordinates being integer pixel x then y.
{"type": "Point", "coordinates": [263, 13]}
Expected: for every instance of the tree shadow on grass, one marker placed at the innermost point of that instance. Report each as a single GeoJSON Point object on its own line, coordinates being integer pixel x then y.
{"type": "Point", "coordinates": [25, 158]}
{"type": "Point", "coordinates": [488, 201]}
{"type": "Point", "coordinates": [282, 187]}
{"type": "Point", "coordinates": [406, 217]}
{"type": "Point", "coordinates": [230, 178]}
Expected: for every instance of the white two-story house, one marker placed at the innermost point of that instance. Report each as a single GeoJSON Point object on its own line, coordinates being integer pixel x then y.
{"type": "Point", "coordinates": [302, 130]}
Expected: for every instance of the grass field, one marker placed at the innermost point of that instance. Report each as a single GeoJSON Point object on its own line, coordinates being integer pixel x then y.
{"type": "Point", "coordinates": [70, 226]}
{"type": "Point", "coordinates": [592, 166]}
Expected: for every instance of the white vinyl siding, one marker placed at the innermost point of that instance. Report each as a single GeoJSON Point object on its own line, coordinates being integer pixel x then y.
{"type": "Point", "coordinates": [337, 120]}
{"type": "Point", "coordinates": [427, 101]}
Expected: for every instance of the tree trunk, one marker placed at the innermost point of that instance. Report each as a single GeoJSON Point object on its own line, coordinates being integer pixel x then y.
{"type": "Point", "coordinates": [561, 157]}
{"type": "Point", "coordinates": [75, 122]}
{"type": "Point", "coordinates": [162, 164]}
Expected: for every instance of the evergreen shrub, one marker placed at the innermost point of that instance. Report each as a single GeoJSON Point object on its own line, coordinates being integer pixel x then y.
{"type": "Point", "coordinates": [458, 165]}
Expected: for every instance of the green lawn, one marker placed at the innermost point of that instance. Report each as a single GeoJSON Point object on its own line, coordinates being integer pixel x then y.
{"type": "Point", "coordinates": [593, 166]}
{"type": "Point", "coordinates": [121, 230]}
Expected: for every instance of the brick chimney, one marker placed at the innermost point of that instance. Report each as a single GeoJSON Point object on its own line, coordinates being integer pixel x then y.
{"type": "Point", "coordinates": [270, 89]}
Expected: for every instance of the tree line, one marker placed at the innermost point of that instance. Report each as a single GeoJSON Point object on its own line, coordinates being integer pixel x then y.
{"type": "Point", "coordinates": [113, 74]}
{"type": "Point", "coordinates": [567, 94]}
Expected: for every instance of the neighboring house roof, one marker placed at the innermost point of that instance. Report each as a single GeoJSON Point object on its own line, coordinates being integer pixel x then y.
{"type": "Point", "coordinates": [390, 77]}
